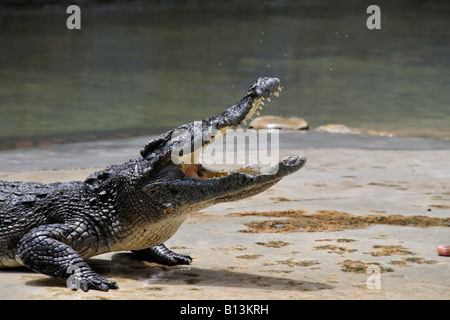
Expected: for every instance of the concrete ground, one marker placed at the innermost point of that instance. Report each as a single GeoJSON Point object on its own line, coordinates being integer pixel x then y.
{"type": "Point", "coordinates": [308, 237]}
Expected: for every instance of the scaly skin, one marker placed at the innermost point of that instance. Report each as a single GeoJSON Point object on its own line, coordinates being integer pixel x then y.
{"type": "Point", "coordinates": [134, 206]}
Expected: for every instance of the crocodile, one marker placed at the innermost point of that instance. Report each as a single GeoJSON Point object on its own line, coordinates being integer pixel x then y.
{"type": "Point", "coordinates": [135, 206]}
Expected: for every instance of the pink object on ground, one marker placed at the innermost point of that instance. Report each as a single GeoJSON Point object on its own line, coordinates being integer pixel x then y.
{"type": "Point", "coordinates": [443, 250]}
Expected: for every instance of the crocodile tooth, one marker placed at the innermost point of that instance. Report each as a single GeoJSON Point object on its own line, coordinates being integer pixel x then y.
{"type": "Point", "coordinates": [257, 113]}
{"type": "Point", "coordinates": [268, 99]}
{"type": "Point", "coordinates": [276, 94]}
{"type": "Point", "coordinates": [279, 88]}
{"type": "Point", "coordinates": [262, 102]}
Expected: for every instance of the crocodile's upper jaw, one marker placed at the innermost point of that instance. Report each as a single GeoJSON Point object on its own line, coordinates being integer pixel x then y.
{"type": "Point", "coordinates": [193, 183]}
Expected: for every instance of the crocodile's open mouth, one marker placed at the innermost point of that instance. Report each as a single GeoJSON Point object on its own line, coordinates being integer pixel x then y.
{"type": "Point", "coordinates": [202, 172]}
{"type": "Point", "coordinates": [181, 177]}
{"type": "Point", "coordinates": [253, 106]}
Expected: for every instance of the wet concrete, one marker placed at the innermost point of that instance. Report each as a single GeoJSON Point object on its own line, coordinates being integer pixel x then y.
{"type": "Point", "coordinates": [106, 152]}
{"type": "Point", "coordinates": [374, 261]}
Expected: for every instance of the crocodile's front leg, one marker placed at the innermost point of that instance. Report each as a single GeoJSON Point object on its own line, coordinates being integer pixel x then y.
{"type": "Point", "coordinates": [45, 250]}
{"type": "Point", "coordinates": [162, 255]}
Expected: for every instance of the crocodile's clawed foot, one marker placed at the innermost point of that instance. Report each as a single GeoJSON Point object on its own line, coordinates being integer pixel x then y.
{"type": "Point", "coordinates": [91, 281]}
{"type": "Point", "coordinates": [98, 283]}
{"type": "Point", "coordinates": [174, 258]}
{"type": "Point", "coordinates": [162, 255]}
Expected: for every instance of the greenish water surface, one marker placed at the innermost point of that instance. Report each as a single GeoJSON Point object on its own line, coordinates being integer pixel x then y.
{"type": "Point", "coordinates": [141, 67]}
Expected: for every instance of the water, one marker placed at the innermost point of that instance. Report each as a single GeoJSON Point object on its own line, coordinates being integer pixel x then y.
{"type": "Point", "coordinates": [141, 67]}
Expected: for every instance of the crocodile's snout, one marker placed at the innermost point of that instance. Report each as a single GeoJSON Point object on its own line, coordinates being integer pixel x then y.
{"type": "Point", "coordinates": [265, 87]}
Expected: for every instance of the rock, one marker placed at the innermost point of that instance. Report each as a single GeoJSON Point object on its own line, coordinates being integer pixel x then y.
{"type": "Point", "coordinates": [340, 128]}
{"type": "Point", "coordinates": [275, 122]}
